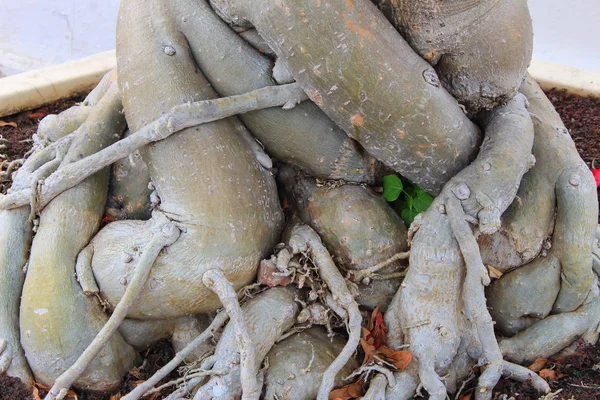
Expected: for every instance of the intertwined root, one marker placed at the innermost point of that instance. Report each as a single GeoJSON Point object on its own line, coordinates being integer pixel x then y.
{"type": "Point", "coordinates": [213, 183]}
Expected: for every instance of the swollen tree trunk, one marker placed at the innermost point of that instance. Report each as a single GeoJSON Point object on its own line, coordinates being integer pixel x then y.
{"type": "Point", "coordinates": [331, 96]}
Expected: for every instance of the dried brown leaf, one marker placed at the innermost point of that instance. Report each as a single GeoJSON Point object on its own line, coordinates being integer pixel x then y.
{"type": "Point", "coordinates": [4, 123]}
{"type": "Point", "coordinates": [400, 358]}
{"type": "Point", "coordinates": [494, 272]}
{"type": "Point", "coordinates": [466, 396]}
{"type": "Point", "coordinates": [38, 114]}
{"type": "Point", "coordinates": [549, 374]}
{"type": "Point", "coordinates": [351, 391]}
{"type": "Point", "coordinates": [538, 364]}
{"type": "Point", "coordinates": [36, 393]}
{"type": "Point", "coordinates": [377, 328]}
{"type": "Point", "coordinates": [71, 395]}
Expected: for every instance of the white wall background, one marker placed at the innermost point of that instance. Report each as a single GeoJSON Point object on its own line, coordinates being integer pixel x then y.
{"type": "Point", "coordinates": [37, 33]}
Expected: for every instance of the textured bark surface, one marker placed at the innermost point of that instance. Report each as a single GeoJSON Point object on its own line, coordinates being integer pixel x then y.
{"type": "Point", "coordinates": [238, 110]}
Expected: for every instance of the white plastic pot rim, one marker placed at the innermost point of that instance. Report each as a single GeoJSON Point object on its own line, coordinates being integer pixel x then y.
{"type": "Point", "coordinates": [33, 89]}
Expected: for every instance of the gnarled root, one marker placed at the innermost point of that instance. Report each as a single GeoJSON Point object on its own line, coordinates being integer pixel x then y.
{"type": "Point", "coordinates": [297, 363]}
{"type": "Point", "coordinates": [358, 226]}
{"type": "Point", "coordinates": [57, 322]}
{"type": "Point", "coordinates": [425, 312]}
{"type": "Point", "coordinates": [560, 185]}
{"type": "Point", "coordinates": [232, 66]}
{"type": "Point", "coordinates": [304, 240]}
{"type": "Point", "coordinates": [164, 234]}
{"type": "Point", "coordinates": [217, 322]}
{"type": "Point", "coordinates": [446, 34]}
{"type": "Point", "coordinates": [266, 317]}
{"type": "Point", "coordinates": [51, 142]}
{"type": "Point", "coordinates": [397, 110]}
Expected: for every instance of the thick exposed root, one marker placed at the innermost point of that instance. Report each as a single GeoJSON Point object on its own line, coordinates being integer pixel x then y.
{"type": "Point", "coordinates": [51, 144]}
{"type": "Point", "coordinates": [304, 240]}
{"type": "Point", "coordinates": [426, 310]}
{"type": "Point", "coordinates": [129, 190]}
{"type": "Point", "coordinates": [200, 202]}
{"type": "Point", "coordinates": [447, 34]}
{"type": "Point", "coordinates": [164, 234]}
{"type": "Point", "coordinates": [559, 184]}
{"type": "Point", "coordinates": [216, 281]}
{"type": "Point", "coordinates": [396, 109]}
{"type": "Point", "coordinates": [181, 355]}
{"type": "Point", "coordinates": [56, 321]}
{"type": "Point", "coordinates": [266, 316]}
{"type": "Point", "coordinates": [553, 333]}
{"type": "Point", "coordinates": [303, 136]}
{"type": "Point", "coordinates": [358, 226]}
{"type": "Point", "coordinates": [178, 119]}
{"type": "Point", "coordinates": [297, 364]}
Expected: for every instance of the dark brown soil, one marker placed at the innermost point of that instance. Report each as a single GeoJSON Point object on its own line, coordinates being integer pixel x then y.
{"type": "Point", "coordinates": [18, 140]}
{"type": "Point", "coordinates": [579, 374]}
{"type": "Point", "coordinates": [27, 122]}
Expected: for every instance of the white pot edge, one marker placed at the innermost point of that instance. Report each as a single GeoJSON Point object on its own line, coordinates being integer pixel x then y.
{"type": "Point", "coordinates": [35, 88]}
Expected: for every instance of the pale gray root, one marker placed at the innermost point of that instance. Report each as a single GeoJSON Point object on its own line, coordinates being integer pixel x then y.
{"type": "Point", "coordinates": [397, 109]}
{"type": "Point", "coordinates": [164, 233]}
{"type": "Point", "coordinates": [303, 136]}
{"type": "Point", "coordinates": [267, 316]}
{"type": "Point", "coordinates": [16, 231]}
{"type": "Point", "coordinates": [83, 271]}
{"type": "Point", "coordinates": [377, 387]}
{"type": "Point", "coordinates": [552, 334]}
{"type": "Point", "coordinates": [359, 227]}
{"type": "Point", "coordinates": [198, 374]}
{"type": "Point", "coordinates": [57, 321]}
{"type": "Point", "coordinates": [554, 215]}
{"type": "Point", "coordinates": [522, 374]}
{"type": "Point", "coordinates": [185, 330]}
{"type": "Point", "coordinates": [177, 119]}
{"type": "Point", "coordinates": [216, 281]}
{"type": "Point", "coordinates": [140, 334]}
{"type": "Point", "coordinates": [480, 49]}
{"type": "Point", "coordinates": [367, 273]}
{"type": "Point", "coordinates": [297, 363]}
{"type": "Point", "coordinates": [427, 310]}
{"type": "Point", "coordinates": [255, 40]}
{"type": "Point", "coordinates": [15, 239]}
{"type": "Point", "coordinates": [407, 383]}
{"type": "Point", "coordinates": [305, 240]}
{"type": "Point", "coordinates": [201, 202]}
{"type": "Point", "coordinates": [142, 389]}
{"type": "Point", "coordinates": [101, 88]}
{"type": "Point", "coordinates": [181, 331]}
{"type": "Point", "coordinates": [474, 300]}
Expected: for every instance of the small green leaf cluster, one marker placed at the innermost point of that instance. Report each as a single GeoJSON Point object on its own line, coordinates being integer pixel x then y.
{"type": "Point", "coordinates": [409, 199]}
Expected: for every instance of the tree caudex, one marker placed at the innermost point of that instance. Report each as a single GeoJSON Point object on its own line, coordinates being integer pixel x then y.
{"type": "Point", "coordinates": [225, 114]}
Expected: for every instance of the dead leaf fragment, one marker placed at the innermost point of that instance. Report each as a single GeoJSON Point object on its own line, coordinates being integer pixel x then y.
{"type": "Point", "coordinates": [71, 395]}
{"type": "Point", "coordinates": [538, 364]}
{"type": "Point", "coordinates": [377, 328]}
{"type": "Point", "coordinates": [38, 114]}
{"type": "Point", "coordinates": [4, 123]}
{"type": "Point", "coordinates": [494, 272]}
{"type": "Point", "coordinates": [549, 374]}
{"type": "Point", "coordinates": [466, 396]}
{"type": "Point", "coordinates": [350, 391]}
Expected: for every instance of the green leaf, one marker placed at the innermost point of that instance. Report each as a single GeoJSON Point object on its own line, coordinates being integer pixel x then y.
{"type": "Point", "coordinates": [392, 187]}
{"type": "Point", "coordinates": [408, 216]}
{"type": "Point", "coordinates": [422, 201]}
